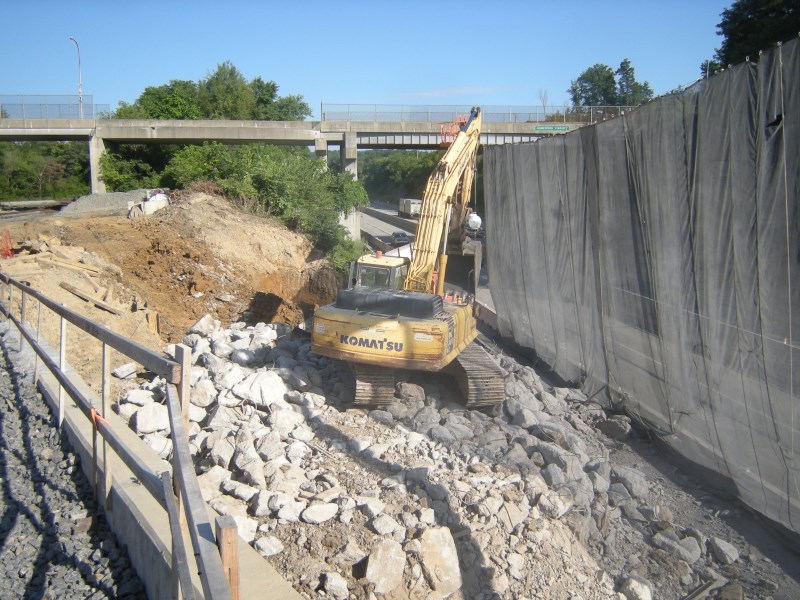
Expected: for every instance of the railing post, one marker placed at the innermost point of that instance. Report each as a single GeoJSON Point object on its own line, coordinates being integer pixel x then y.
{"type": "Point", "coordinates": [36, 354]}
{"type": "Point", "coordinates": [228, 544]}
{"type": "Point", "coordinates": [62, 359]}
{"type": "Point", "coordinates": [184, 357]}
{"type": "Point", "coordinates": [22, 303]}
{"type": "Point", "coordinates": [105, 396]}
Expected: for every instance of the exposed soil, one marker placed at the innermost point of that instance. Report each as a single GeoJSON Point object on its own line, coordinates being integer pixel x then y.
{"type": "Point", "coordinates": [200, 255]}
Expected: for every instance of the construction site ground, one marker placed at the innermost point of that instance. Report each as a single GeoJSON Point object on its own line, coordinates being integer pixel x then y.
{"type": "Point", "coordinates": [202, 255]}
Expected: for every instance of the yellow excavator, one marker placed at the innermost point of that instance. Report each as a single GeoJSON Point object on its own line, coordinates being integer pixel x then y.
{"type": "Point", "coordinates": [397, 313]}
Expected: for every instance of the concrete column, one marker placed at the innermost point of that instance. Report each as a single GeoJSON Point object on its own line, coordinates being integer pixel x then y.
{"type": "Point", "coordinates": [349, 152]}
{"type": "Point", "coordinates": [321, 149]}
{"type": "Point", "coordinates": [352, 223]}
{"type": "Point", "coordinates": [96, 149]}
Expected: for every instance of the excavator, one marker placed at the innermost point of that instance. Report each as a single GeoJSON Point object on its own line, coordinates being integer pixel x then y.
{"type": "Point", "coordinates": [397, 312]}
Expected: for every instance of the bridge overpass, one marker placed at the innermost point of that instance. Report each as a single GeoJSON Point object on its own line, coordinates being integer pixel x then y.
{"type": "Point", "coordinates": [350, 130]}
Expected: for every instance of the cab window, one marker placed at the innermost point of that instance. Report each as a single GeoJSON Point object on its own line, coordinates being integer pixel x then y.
{"type": "Point", "coordinates": [373, 276]}
{"type": "Point", "coordinates": [400, 274]}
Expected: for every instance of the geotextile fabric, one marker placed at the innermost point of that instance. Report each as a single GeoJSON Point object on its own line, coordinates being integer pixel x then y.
{"type": "Point", "coordinates": [657, 256]}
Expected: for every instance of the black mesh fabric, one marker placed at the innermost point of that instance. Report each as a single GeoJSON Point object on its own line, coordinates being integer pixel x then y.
{"type": "Point", "coordinates": [657, 256]}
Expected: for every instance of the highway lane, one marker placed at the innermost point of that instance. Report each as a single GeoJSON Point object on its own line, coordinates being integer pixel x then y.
{"type": "Point", "coordinates": [381, 229]}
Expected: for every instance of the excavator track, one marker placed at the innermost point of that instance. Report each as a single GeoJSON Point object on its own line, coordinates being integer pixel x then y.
{"type": "Point", "coordinates": [374, 385]}
{"type": "Point", "coordinates": [479, 377]}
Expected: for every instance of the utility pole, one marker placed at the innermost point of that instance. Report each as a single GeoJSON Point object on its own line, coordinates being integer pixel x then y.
{"type": "Point", "coordinates": [80, 83]}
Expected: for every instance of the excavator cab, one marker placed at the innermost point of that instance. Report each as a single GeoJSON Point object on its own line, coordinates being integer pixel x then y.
{"type": "Point", "coordinates": [379, 271]}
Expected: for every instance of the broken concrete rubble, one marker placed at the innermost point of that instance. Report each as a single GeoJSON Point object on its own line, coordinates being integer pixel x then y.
{"type": "Point", "coordinates": [425, 495]}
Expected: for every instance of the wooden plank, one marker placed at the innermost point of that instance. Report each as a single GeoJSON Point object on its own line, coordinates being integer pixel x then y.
{"type": "Point", "coordinates": [109, 295]}
{"type": "Point", "coordinates": [83, 295]}
{"type": "Point", "coordinates": [61, 265]}
{"type": "Point", "coordinates": [215, 585]}
{"type": "Point", "coordinates": [161, 366]}
{"type": "Point", "coordinates": [89, 279]}
{"type": "Point", "coordinates": [23, 258]}
{"type": "Point", "coordinates": [152, 321]}
{"type": "Point", "coordinates": [228, 544]}
{"type": "Point", "coordinates": [75, 263]}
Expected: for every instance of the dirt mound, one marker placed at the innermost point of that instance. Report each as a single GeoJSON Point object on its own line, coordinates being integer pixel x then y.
{"type": "Point", "coordinates": [200, 255]}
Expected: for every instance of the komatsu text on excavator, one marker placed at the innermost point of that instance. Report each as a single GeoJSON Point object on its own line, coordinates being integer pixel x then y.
{"type": "Point", "coordinates": [396, 313]}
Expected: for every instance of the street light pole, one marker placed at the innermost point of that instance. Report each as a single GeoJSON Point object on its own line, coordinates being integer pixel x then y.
{"type": "Point", "coordinates": [80, 85]}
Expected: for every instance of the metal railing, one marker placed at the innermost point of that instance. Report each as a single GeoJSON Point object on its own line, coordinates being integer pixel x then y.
{"type": "Point", "coordinates": [178, 492]}
{"type": "Point", "coordinates": [450, 113]}
{"type": "Point", "coordinates": [21, 106]}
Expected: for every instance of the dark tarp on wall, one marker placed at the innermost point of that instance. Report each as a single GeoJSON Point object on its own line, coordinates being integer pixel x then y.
{"type": "Point", "coordinates": [658, 254]}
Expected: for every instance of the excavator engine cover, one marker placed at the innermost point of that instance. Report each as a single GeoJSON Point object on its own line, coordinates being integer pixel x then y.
{"type": "Point", "coordinates": [384, 301]}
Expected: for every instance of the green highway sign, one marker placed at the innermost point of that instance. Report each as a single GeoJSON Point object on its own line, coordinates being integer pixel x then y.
{"type": "Point", "coordinates": [552, 128]}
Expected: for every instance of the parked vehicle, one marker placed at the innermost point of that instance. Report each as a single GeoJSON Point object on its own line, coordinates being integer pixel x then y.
{"type": "Point", "coordinates": [400, 238]}
{"type": "Point", "coordinates": [409, 207]}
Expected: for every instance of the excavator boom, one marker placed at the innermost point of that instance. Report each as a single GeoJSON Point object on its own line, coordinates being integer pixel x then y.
{"type": "Point", "coordinates": [446, 196]}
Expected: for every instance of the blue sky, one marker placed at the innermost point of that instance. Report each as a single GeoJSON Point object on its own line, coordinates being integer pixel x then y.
{"type": "Point", "coordinates": [357, 52]}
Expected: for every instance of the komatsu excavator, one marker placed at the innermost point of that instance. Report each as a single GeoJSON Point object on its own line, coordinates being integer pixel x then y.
{"type": "Point", "coordinates": [397, 314]}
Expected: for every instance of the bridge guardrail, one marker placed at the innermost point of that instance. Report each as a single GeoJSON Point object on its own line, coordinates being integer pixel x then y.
{"type": "Point", "coordinates": [450, 113]}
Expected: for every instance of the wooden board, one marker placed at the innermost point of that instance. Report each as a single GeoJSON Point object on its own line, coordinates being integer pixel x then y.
{"type": "Point", "coordinates": [84, 296]}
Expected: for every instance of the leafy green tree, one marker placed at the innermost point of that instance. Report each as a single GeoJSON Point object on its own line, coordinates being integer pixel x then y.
{"type": "Point", "coordinates": [709, 67]}
{"type": "Point", "coordinates": [598, 86]}
{"type": "Point", "coordinates": [43, 170]}
{"type": "Point", "coordinates": [594, 87]}
{"type": "Point", "coordinates": [128, 169]}
{"type": "Point", "coordinates": [225, 94]}
{"type": "Point", "coordinates": [752, 25]}
{"type": "Point", "coordinates": [176, 100]}
{"type": "Point", "coordinates": [270, 107]}
{"type": "Point", "coordinates": [392, 174]}
{"type": "Point", "coordinates": [629, 91]}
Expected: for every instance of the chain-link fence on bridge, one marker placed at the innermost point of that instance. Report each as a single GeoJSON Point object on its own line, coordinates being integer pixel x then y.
{"type": "Point", "coordinates": [450, 113]}
{"type": "Point", "coordinates": [24, 106]}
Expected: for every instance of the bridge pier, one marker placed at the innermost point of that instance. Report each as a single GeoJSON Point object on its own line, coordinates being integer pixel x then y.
{"type": "Point", "coordinates": [321, 148]}
{"type": "Point", "coordinates": [349, 154]}
{"type": "Point", "coordinates": [96, 149]}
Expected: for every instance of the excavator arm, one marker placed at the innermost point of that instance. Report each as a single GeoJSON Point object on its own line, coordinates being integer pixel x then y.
{"type": "Point", "coordinates": [444, 207]}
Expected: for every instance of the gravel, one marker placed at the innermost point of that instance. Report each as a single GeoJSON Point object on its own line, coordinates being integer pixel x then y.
{"type": "Point", "coordinates": [54, 542]}
{"type": "Point", "coordinates": [112, 201]}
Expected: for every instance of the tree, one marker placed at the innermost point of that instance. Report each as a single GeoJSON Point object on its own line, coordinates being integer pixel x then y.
{"type": "Point", "coordinates": [543, 99]}
{"type": "Point", "coordinates": [225, 94]}
{"type": "Point", "coordinates": [594, 87]}
{"type": "Point", "coordinates": [176, 100]}
{"type": "Point", "coordinates": [752, 25]}
{"type": "Point", "coordinates": [270, 107]}
{"type": "Point", "coordinates": [629, 91]}
{"type": "Point", "coordinates": [708, 68]}
{"type": "Point", "coordinates": [597, 86]}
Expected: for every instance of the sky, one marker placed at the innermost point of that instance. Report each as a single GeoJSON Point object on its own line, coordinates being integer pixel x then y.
{"type": "Point", "coordinates": [434, 52]}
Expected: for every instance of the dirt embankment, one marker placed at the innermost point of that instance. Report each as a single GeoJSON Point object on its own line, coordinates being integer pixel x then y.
{"type": "Point", "coordinates": [200, 255]}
